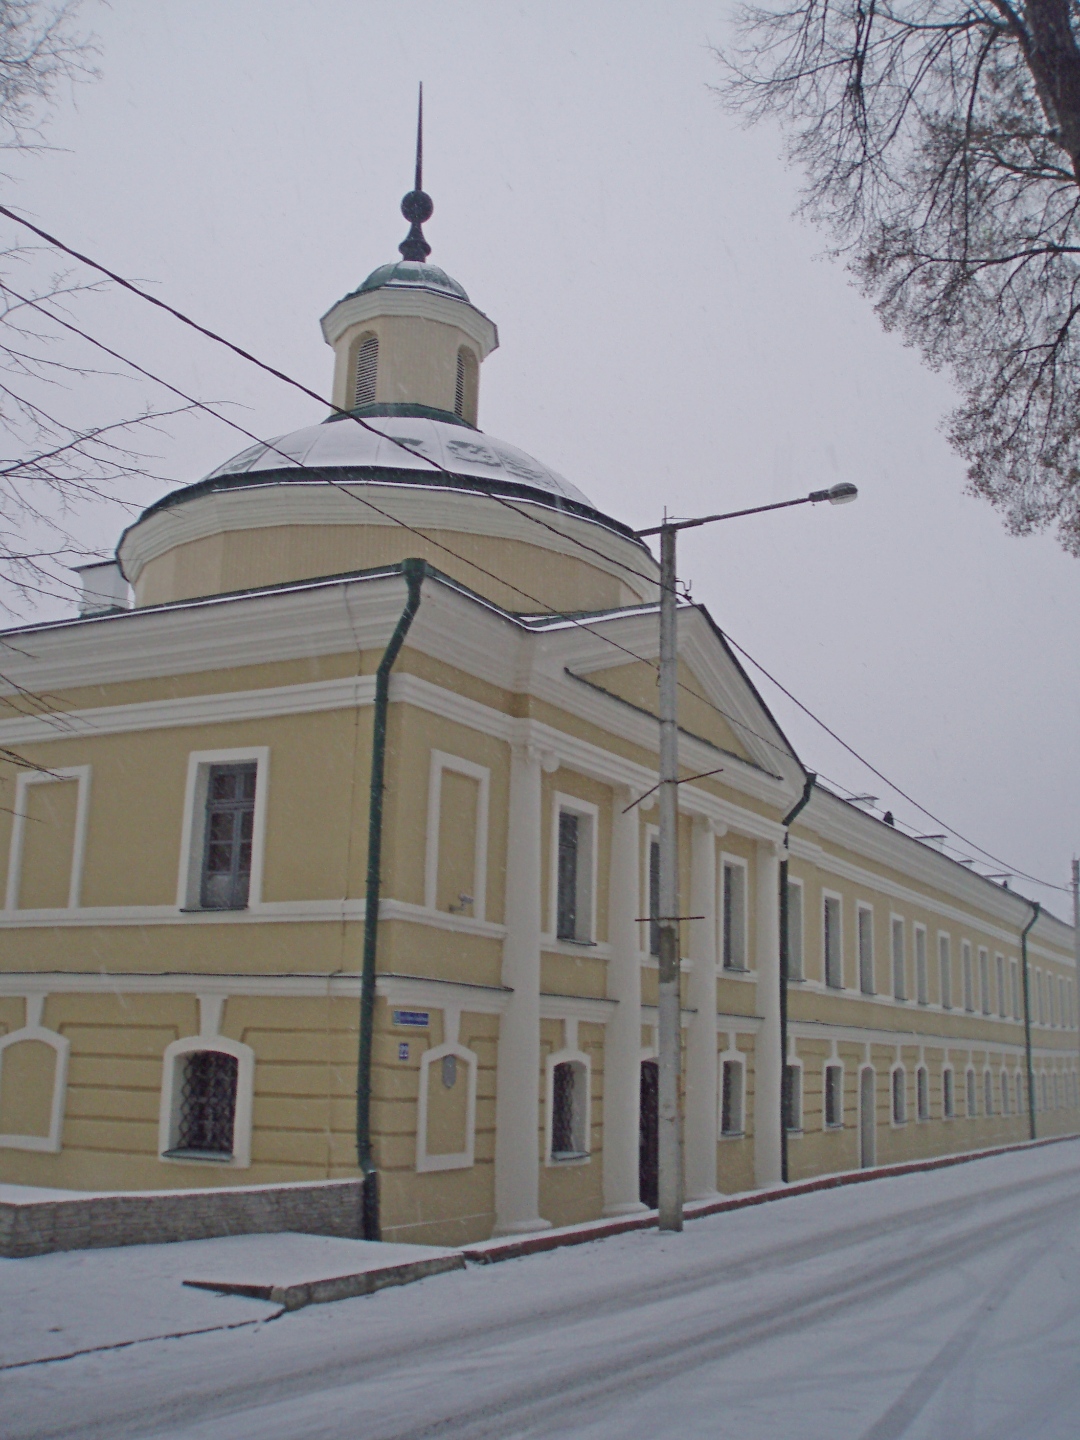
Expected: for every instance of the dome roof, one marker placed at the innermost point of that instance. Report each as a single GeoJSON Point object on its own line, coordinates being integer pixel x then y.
{"type": "Point", "coordinates": [411, 275]}
{"type": "Point", "coordinates": [343, 444]}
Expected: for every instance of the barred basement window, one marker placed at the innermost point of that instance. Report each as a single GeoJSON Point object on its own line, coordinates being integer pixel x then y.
{"type": "Point", "coordinates": [834, 1096]}
{"type": "Point", "coordinates": [367, 369]}
{"type": "Point", "coordinates": [948, 1095]}
{"type": "Point", "coordinates": [731, 1102]}
{"type": "Point", "coordinates": [899, 1097]}
{"type": "Point", "coordinates": [230, 828]}
{"type": "Point", "coordinates": [207, 1111]}
{"type": "Point", "coordinates": [568, 1081]}
{"type": "Point", "coordinates": [922, 1092]}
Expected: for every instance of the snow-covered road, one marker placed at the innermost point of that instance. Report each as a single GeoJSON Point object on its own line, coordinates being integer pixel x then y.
{"type": "Point", "coordinates": [941, 1305]}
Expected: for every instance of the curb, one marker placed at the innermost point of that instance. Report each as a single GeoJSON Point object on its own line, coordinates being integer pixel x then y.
{"type": "Point", "coordinates": [490, 1252]}
{"type": "Point", "coordinates": [338, 1287]}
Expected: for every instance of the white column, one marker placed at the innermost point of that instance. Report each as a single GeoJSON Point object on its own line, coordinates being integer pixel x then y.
{"type": "Point", "coordinates": [701, 1093]}
{"type": "Point", "coordinates": [517, 1096]}
{"type": "Point", "coordinates": [622, 1037]}
{"type": "Point", "coordinates": [767, 1058]}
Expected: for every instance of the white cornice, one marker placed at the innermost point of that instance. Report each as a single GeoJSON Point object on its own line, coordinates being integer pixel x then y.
{"type": "Point", "coordinates": [412, 303]}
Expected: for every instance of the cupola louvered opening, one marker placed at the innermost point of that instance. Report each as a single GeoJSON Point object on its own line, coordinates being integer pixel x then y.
{"type": "Point", "coordinates": [465, 390]}
{"type": "Point", "coordinates": [367, 369]}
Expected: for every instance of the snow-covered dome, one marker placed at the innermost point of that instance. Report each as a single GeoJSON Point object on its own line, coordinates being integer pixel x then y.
{"type": "Point", "coordinates": [412, 275]}
{"type": "Point", "coordinates": [343, 443]}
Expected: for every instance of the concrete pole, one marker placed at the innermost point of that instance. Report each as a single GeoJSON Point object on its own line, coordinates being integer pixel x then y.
{"type": "Point", "coordinates": [670, 1127]}
{"type": "Point", "coordinates": [517, 1103]}
{"type": "Point", "coordinates": [702, 1127]}
{"type": "Point", "coordinates": [622, 1036]}
{"type": "Point", "coordinates": [768, 1059]}
{"type": "Point", "coordinates": [1074, 1008]}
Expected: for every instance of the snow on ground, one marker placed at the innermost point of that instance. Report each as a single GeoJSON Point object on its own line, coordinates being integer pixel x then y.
{"type": "Point", "coordinates": [936, 1306]}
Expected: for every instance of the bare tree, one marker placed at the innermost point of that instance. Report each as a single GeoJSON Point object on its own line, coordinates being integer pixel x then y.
{"type": "Point", "coordinates": [940, 144]}
{"type": "Point", "coordinates": [51, 459]}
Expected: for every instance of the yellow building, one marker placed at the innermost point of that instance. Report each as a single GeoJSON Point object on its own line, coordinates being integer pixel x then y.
{"type": "Point", "coordinates": [185, 836]}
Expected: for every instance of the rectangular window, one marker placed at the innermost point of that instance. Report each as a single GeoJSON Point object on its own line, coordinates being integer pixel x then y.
{"type": "Point", "coordinates": [866, 950]}
{"type": "Point", "coordinates": [654, 897]}
{"type": "Point", "coordinates": [969, 976]}
{"type": "Point", "coordinates": [734, 916]}
{"type": "Point", "coordinates": [1014, 970]}
{"type": "Point", "coordinates": [834, 959]}
{"type": "Point", "coordinates": [1051, 1016]}
{"type": "Point", "coordinates": [1002, 999]}
{"type": "Point", "coordinates": [834, 1096]}
{"type": "Point", "coordinates": [922, 1092]}
{"type": "Point", "coordinates": [922, 979]}
{"type": "Point", "coordinates": [731, 1105]}
{"type": "Point", "coordinates": [898, 960]}
{"type": "Point", "coordinates": [793, 1105]}
{"type": "Point", "coordinates": [229, 834]}
{"type": "Point", "coordinates": [945, 971]}
{"type": "Point", "coordinates": [984, 980]}
{"type": "Point", "coordinates": [574, 880]}
{"type": "Point", "coordinates": [1039, 996]}
{"type": "Point", "coordinates": [795, 930]}
{"type": "Point", "coordinates": [948, 1096]}
{"type": "Point", "coordinates": [899, 1096]}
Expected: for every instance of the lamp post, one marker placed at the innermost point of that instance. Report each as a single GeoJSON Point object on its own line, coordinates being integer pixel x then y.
{"type": "Point", "coordinates": [669, 1156]}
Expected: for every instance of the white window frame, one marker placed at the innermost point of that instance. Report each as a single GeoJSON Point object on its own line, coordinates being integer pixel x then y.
{"type": "Point", "coordinates": [441, 761]}
{"type": "Point", "coordinates": [169, 1112]}
{"type": "Point", "coordinates": [570, 1054]}
{"type": "Point", "coordinates": [945, 987]}
{"type": "Point", "coordinates": [742, 867]}
{"type": "Point", "coordinates": [898, 1069]}
{"type": "Point", "coordinates": [193, 832]}
{"type": "Point", "coordinates": [584, 810]}
{"type": "Point", "coordinates": [922, 965]}
{"type": "Point", "coordinates": [894, 921]}
{"type": "Point", "coordinates": [461, 1159]}
{"type": "Point", "coordinates": [51, 1142]}
{"type": "Point", "coordinates": [736, 1058]}
{"type": "Point", "coordinates": [24, 779]}
{"type": "Point", "coordinates": [831, 1064]}
{"type": "Point", "coordinates": [799, 972]}
{"type": "Point", "coordinates": [826, 896]}
{"type": "Point", "coordinates": [863, 907]}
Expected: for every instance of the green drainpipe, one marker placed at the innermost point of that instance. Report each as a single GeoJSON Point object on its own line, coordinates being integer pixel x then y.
{"type": "Point", "coordinates": [1035, 908]}
{"type": "Point", "coordinates": [414, 572]}
{"type": "Point", "coordinates": [785, 965]}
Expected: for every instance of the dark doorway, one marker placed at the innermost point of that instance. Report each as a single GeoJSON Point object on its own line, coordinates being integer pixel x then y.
{"type": "Point", "coordinates": [649, 1134]}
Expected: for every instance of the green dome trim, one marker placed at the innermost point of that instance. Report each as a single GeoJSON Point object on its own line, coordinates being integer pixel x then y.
{"type": "Point", "coordinates": [426, 412]}
{"type": "Point", "coordinates": [411, 275]}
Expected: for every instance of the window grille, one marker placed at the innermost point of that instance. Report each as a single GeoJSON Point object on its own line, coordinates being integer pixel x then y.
{"type": "Point", "coordinates": [834, 1096]}
{"type": "Point", "coordinates": [945, 971]}
{"type": "Point", "coordinates": [568, 1110]}
{"type": "Point", "coordinates": [898, 967]}
{"type": "Point", "coordinates": [731, 1104]}
{"type": "Point", "coordinates": [948, 1096]}
{"type": "Point", "coordinates": [834, 973]}
{"type": "Point", "coordinates": [922, 980]}
{"type": "Point", "coordinates": [367, 369]}
{"type": "Point", "coordinates": [230, 828]}
{"type": "Point", "coordinates": [922, 1092]}
{"type": "Point", "coordinates": [793, 1098]}
{"type": "Point", "coordinates": [866, 951]}
{"type": "Point", "coordinates": [566, 927]}
{"type": "Point", "coordinates": [734, 936]}
{"type": "Point", "coordinates": [207, 1103]}
{"type": "Point", "coordinates": [899, 1097]}
{"type": "Point", "coordinates": [794, 931]}
{"type": "Point", "coordinates": [654, 897]}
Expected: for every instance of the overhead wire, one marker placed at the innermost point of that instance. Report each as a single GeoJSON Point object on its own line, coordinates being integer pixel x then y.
{"type": "Point", "coordinates": [543, 607]}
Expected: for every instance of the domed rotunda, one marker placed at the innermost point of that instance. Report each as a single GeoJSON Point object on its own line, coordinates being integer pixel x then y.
{"type": "Point", "coordinates": [400, 468]}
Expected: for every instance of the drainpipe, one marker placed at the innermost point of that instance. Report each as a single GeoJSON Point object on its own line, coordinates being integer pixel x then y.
{"type": "Point", "coordinates": [414, 572]}
{"type": "Point", "coordinates": [1035, 908]}
{"type": "Point", "coordinates": [784, 965]}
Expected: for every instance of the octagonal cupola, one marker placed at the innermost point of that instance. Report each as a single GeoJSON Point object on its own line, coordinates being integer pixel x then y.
{"type": "Point", "coordinates": [409, 336]}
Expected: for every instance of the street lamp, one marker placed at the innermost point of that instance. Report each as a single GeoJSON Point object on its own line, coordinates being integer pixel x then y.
{"type": "Point", "coordinates": [670, 1188]}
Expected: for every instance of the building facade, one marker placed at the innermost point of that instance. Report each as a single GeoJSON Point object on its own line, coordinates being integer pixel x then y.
{"type": "Point", "coordinates": [184, 839]}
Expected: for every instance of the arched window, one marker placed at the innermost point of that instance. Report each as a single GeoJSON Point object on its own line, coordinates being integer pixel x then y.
{"type": "Point", "coordinates": [922, 1092]}
{"type": "Point", "coordinates": [988, 1092]}
{"type": "Point", "coordinates": [972, 1095]}
{"type": "Point", "coordinates": [899, 1096]}
{"type": "Point", "coordinates": [206, 1115]}
{"type": "Point", "coordinates": [569, 1110]}
{"type": "Point", "coordinates": [367, 369]}
{"type": "Point", "coordinates": [466, 387]}
{"type": "Point", "coordinates": [948, 1097]}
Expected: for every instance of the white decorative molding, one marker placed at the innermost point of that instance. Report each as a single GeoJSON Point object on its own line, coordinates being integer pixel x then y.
{"type": "Point", "coordinates": [169, 1109]}
{"type": "Point", "coordinates": [440, 762]}
{"type": "Point", "coordinates": [25, 779]}
{"type": "Point", "coordinates": [464, 1159]}
{"type": "Point", "coordinates": [193, 825]}
{"type": "Point", "coordinates": [34, 1031]}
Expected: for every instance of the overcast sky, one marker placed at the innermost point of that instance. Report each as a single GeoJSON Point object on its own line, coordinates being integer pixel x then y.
{"type": "Point", "coordinates": [669, 335]}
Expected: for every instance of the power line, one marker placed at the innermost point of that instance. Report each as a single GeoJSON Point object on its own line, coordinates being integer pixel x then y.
{"type": "Point", "coordinates": [544, 608]}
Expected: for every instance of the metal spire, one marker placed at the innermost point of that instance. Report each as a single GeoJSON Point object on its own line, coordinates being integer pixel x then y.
{"type": "Point", "coordinates": [416, 206]}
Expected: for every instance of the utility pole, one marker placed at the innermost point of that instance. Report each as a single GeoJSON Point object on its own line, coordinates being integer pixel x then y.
{"type": "Point", "coordinates": [670, 1179]}
{"type": "Point", "coordinates": [669, 1140]}
{"type": "Point", "coordinates": [1075, 1007]}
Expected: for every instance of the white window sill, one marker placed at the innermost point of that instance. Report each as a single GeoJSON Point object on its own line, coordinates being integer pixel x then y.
{"type": "Point", "coordinates": [198, 1157]}
{"type": "Point", "coordinates": [570, 1157]}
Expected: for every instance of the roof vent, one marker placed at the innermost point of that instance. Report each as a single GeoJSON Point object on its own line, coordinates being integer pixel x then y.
{"type": "Point", "coordinates": [103, 588]}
